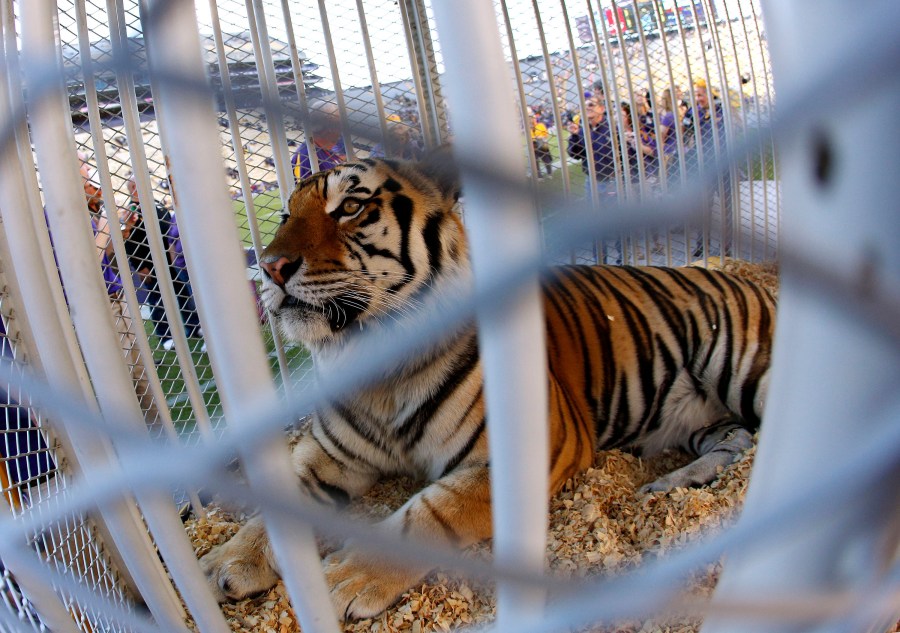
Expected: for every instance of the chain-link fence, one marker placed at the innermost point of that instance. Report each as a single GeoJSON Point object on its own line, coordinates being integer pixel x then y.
{"type": "Point", "coordinates": [620, 104]}
{"type": "Point", "coordinates": [378, 65]}
{"type": "Point", "coordinates": [377, 68]}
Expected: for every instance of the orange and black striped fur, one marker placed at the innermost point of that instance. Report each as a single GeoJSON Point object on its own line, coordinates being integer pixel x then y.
{"type": "Point", "coordinates": [648, 358]}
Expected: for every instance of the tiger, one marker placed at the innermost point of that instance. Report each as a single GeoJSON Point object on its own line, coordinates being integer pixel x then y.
{"type": "Point", "coordinates": [647, 358]}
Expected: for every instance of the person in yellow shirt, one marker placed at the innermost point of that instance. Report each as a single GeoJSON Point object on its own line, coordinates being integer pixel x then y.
{"type": "Point", "coordinates": [540, 141]}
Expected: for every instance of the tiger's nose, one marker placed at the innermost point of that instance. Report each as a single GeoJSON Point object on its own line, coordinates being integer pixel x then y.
{"type": "Point", "coordinates": [279, 269]}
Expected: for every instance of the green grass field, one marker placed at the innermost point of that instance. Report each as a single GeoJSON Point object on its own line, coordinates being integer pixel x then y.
{"type": "Point", "coordinates": [173, 383]}
{"type": "Point", "coordinates": [268, 208]}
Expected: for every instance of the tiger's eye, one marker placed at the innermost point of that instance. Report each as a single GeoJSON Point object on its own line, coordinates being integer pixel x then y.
{"type": "Point", "coordinates": [351, 206]}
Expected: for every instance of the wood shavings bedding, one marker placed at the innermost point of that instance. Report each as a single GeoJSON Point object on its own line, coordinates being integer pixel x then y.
{"type": "Point", "coordinates": [599, 525]}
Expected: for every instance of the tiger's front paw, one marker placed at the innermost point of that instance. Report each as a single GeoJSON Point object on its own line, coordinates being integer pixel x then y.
{"type": "Point", "coordinates": [363, 586]}
{"type": "Point", "coordinates": [240, 568]}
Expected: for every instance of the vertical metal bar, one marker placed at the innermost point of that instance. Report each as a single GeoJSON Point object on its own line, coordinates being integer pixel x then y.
{"type": "Point", "coordinates": [557, 117]}
{"type": "Point", "coordinates": [682, 153]}
{"type": "Point", "coordinates": [373, 74]}
{"type": "Point", "coordinates": [692, 104]}
{"type": "Point", "coordinates": [115, 231]}
{"type": "Point", "coordinates": [628, 177]}
{"type": "Point", "coordinates": [243, 176]}
{"type": "Point", "coordinates": [431, 108]}
{"type": "Point", "coordinates": [55, 149]}
{"type": "Point", "coordinates": [262, 50]}
{"type": "Point", "coordinates": [516, 394]}
{"type": "Point", "coordinates": [183, 351]}
{"type": "Point", "coordinates": [22, 258]}
{"type": "Point", "coordinates": [817, 389]}
{"type": "Point", "coordinates": [242, 372]}
{"type": "Point", "coordinates": [759, 156]}
{"type": "Point", "coordinates": [654, 111]}
{"type": "Point", "coordinates": [707, 216]}
{"type": "Point", "coordinates": [679, 133]}
{"type": "Point", "coordinates": [25, 157]}
{"type": "Point", "coordinates": [605, 76]}
{"type": "Point", "coordinates": [523, 106]}
{"type": "Point", "coordinates": [611, 107]}
{"type": "Point", "coordinates": [623, 175]}
{"type": "Point", "coordinates": [770, 155]}
{"type": "Point", "coordinates": [738, 126]}
{"type": "Point", "coordinates": [425, 123]}
{"type": "Point", "coordinates": [158, 252]}
{"type": "Point", "coordinates": [300, 86]}
{"type": "Point", "coordinates": [57, 352]}
{"type": "Point", "coordinates": [336, 77]}
{"type": "Point", "coordinates": [721, 143]}
{"type": "Point", "coordinates": [579, 85]}
{"type": "Point", "coordinates": [629, 83]}
{"type": "Point", "coordinates": [109, 201]}
{"type": "Point", "coordinates": [141, 170]}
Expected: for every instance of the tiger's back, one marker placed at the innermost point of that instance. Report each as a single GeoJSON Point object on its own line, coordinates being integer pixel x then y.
{"type": "Point", "coordinates": [651, 355]}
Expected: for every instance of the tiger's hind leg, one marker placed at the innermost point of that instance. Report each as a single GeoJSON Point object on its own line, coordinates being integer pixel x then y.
{"type": "Point", "coordinates": [716, 446]}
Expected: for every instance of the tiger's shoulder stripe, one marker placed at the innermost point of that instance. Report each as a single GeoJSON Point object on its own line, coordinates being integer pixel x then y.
{"type": "Point", "coordinates": [476, 434]}
{"type": "Point", "coordinates": [725, 368]}
{"type": "Point", "coordinates": [567, 313]}
{"type": "Point", "coordinates": [663, 299]}
{"type": "Point", "coordinates": [461, 367]}
{"type": "Point", "coordinates": [360, 428]}
{"type": "Point", "coordinates": [402, 208]}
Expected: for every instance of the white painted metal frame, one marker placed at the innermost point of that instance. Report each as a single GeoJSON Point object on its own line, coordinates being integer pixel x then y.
{"type": "Point", "coordinates": [512, 347]}
{"type": "Point", "coordinates": [858, 362]}
{"type": "Point", "coordinates": [836, 376]}
{"type": "Point", "coordinates": [237, 147]}
{"type": "Point", "coordinates": [91, 315]}
{"type": "Point", "coordinates": [25, 259]}
{"type": "Point", "coordinates": [225, 311]}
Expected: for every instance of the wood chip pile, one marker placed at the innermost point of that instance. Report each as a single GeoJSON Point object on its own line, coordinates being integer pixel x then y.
{"type": "Point", "coordinates": [600, 525]}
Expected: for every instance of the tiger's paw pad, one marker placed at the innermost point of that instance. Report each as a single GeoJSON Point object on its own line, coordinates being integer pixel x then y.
{"type": "Point", "coordinates": [234, 579]}
{"type": "Point", "coordinates": [237, 570]}
{"type": "Point", "coordinates": [363, 587]}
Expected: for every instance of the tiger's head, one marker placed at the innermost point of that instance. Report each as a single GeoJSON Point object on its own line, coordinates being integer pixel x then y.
{"type": "Point", "coordinates": [360, 244]}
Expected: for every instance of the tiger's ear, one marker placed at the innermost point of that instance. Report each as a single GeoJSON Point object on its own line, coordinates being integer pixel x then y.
{"type": "Point", "coordinates": [439, 166]}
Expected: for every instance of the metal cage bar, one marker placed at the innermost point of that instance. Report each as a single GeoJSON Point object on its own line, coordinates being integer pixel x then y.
{"type": "Point", "coordinates": [225, 311]}
{"type": "Point", "coordinates": [817, 390]}
{"type": "Point", "coordinates": [91, 315]}
{"type": "Point", "coordinates": [627, 58]}
{"type": "Point", "coordinates": [237, 147]}
{"type": "Point", "coordinates": [163, 422]}
{"type": "Point", "coordinates": [516, 397]}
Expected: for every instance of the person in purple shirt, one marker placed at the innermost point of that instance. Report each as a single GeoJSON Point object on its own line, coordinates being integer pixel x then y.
{"type": "Point", "coordinates": [180, 279]}
{"type": "Point", "coordinates": [597, 129]}
{"type": "Point", "coordinates": [670, 118]}
{"type": "Point", "coordinates": [324, 129]}
{"type": "Point", "coordinates": [122, 317]}
{"type": "Point", "coordinates": [705, 127]}
{"type": "Point", "coordinates": [600, 135]}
